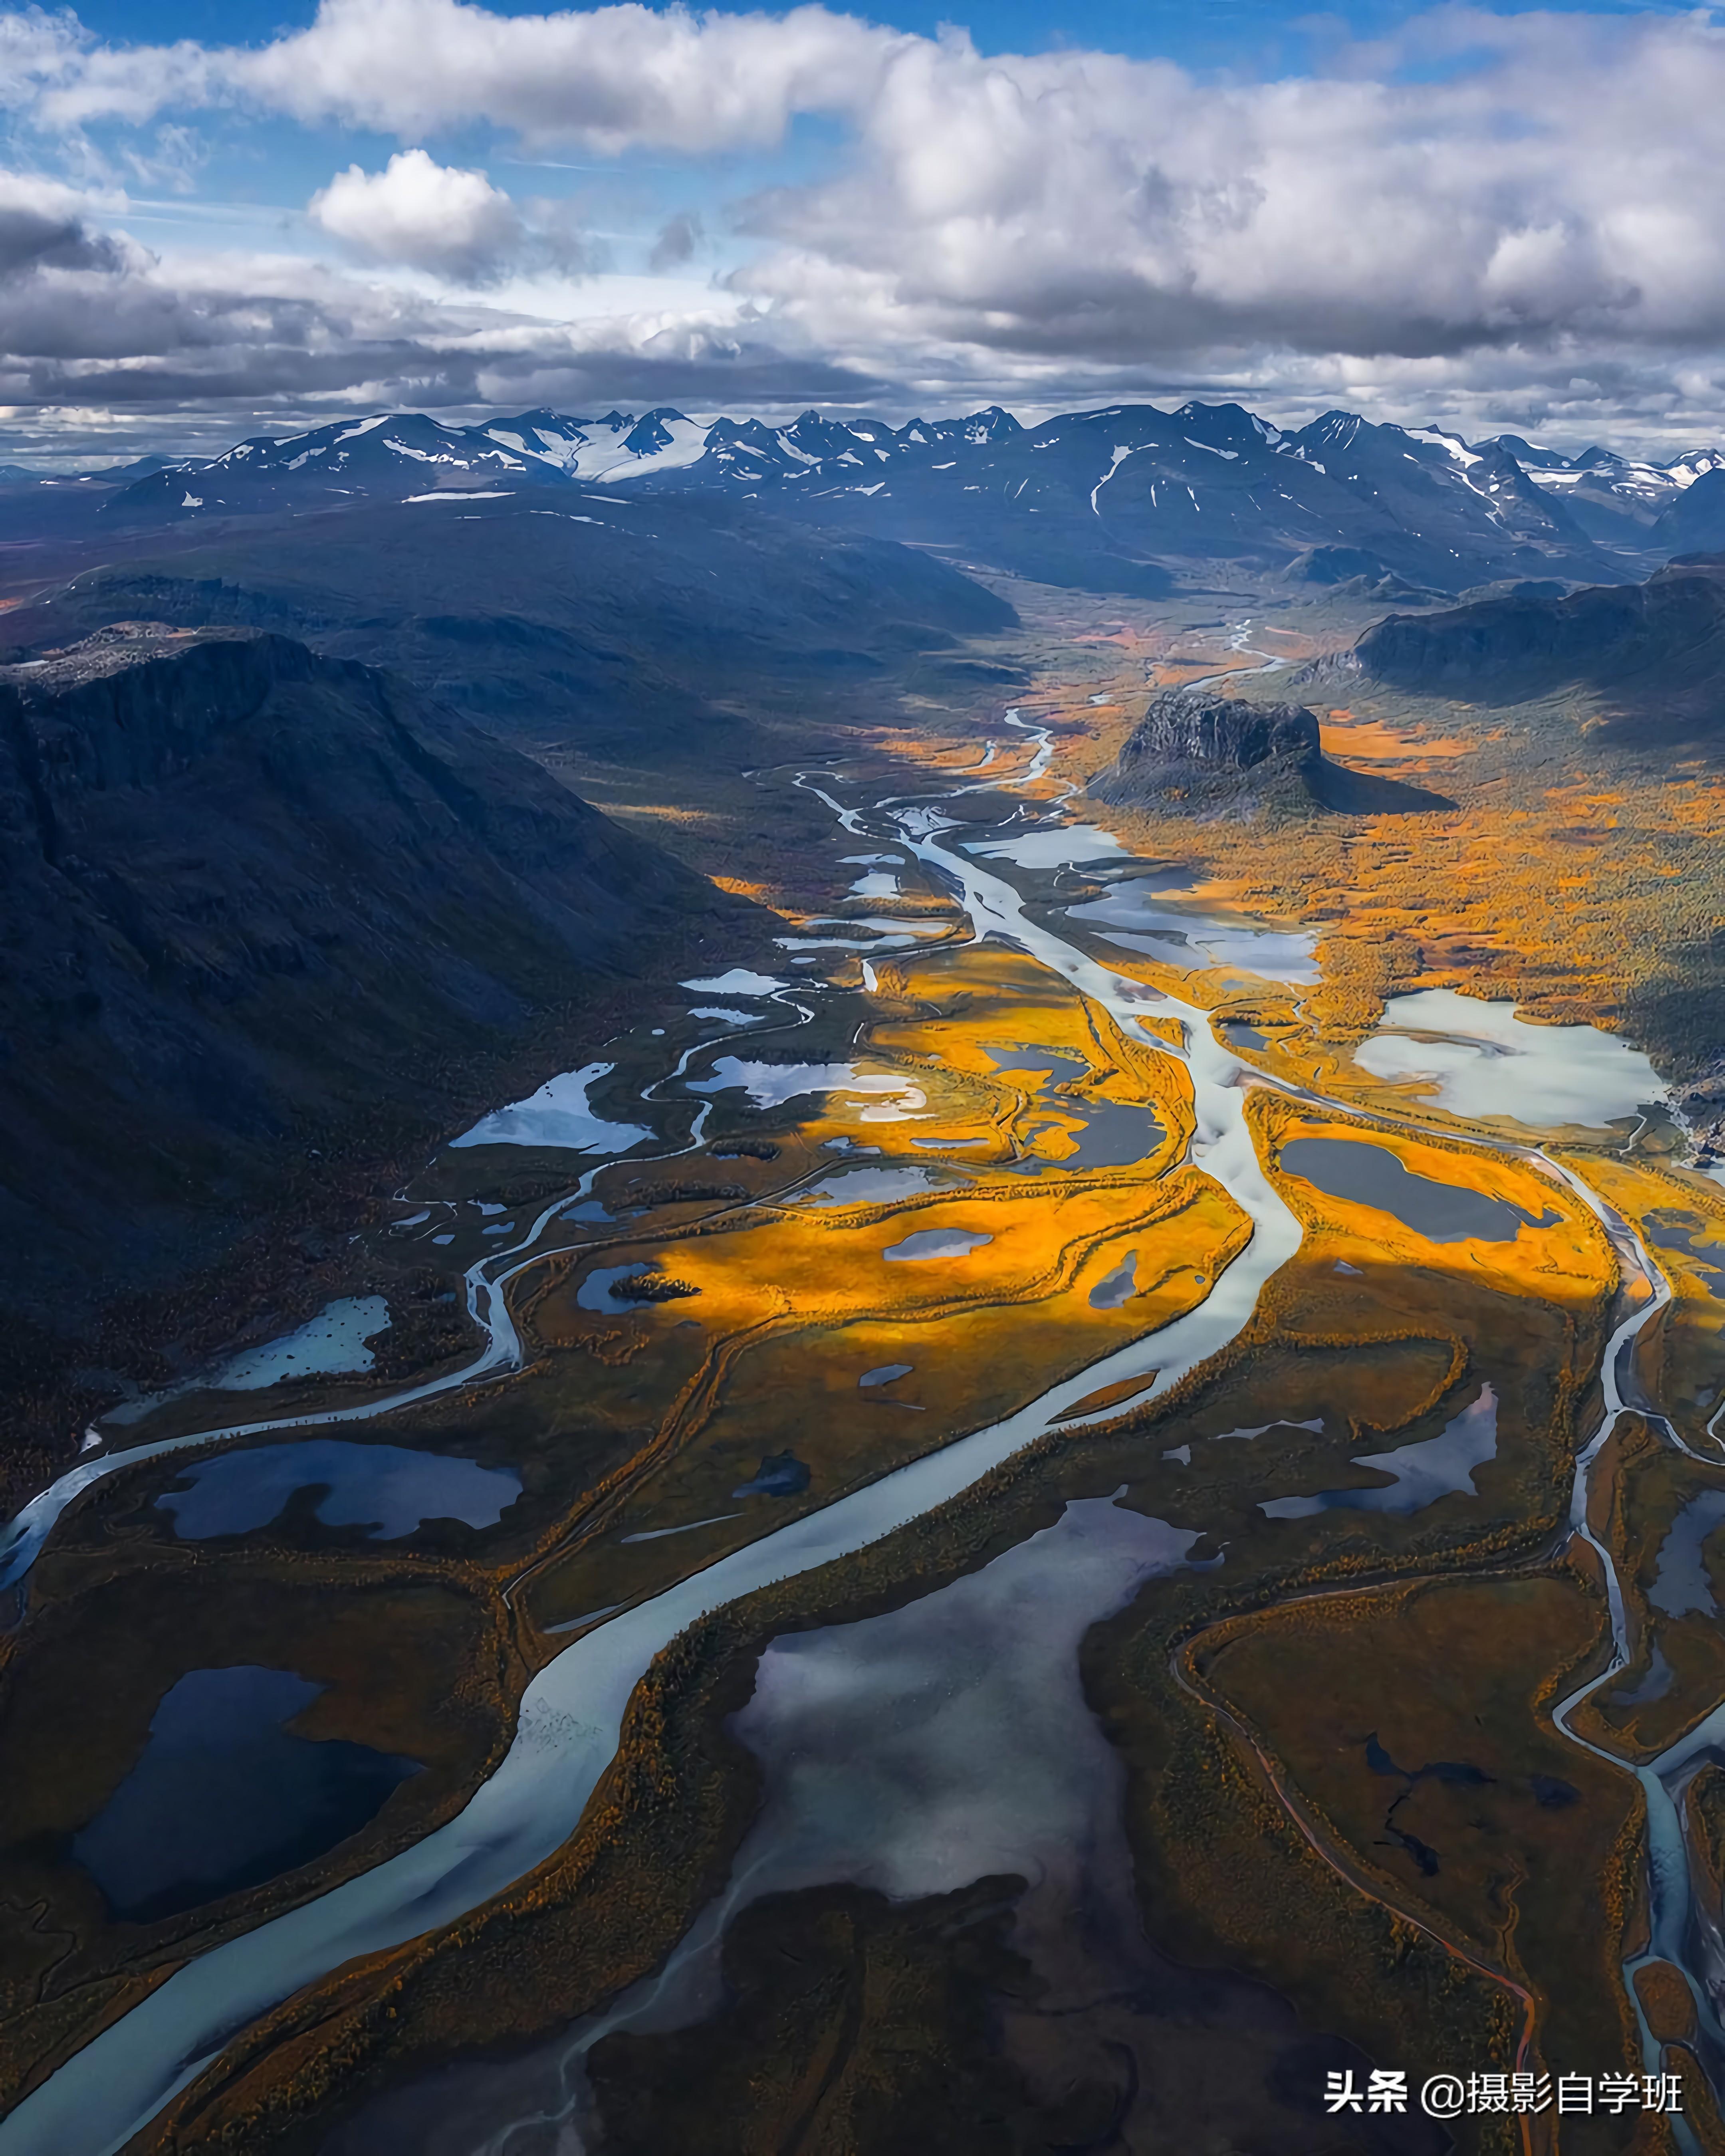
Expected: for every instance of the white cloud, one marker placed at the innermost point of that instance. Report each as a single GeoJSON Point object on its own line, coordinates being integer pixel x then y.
{"type": "Point", "coordinates": [451, 222]}
{"type": "Point", "coordinates": [1503, 219]}
{"type": "Point", "coordinates": [608, 78]}
{"type": "Point", "coordinates": [1100, 208]}
{"type": "Point", "coordinates": [203, 345]}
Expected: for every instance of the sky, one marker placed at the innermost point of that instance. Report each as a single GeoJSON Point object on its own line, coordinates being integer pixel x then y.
{"type": "Point", "coordinates": [218, 220]}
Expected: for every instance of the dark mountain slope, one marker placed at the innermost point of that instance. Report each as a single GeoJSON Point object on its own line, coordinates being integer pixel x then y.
{"type": "Point", "coordinates": [256, 902]}
{"type": "Point", "coordinates": [619, 624]}
{"type": "Point", "coordinates": [1695, 522]}
{"type": "Point", "coordinates": [1656, 650]}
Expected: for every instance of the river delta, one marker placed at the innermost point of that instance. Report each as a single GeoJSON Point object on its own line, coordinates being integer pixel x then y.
{"type": "Point", "coordinates": [983, 1479]}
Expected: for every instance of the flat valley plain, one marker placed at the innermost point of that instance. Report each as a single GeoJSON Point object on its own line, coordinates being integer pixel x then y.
{"type": "Point", "coordinates": [1083, 1692]}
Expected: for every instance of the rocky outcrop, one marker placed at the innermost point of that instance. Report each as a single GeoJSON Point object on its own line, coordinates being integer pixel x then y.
{"type": "Point", "coordinates": [1196, 753]}
{"type": "Point", "coordinates": [1212, 755]}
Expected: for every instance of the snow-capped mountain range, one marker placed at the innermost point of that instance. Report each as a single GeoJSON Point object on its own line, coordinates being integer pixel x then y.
{"type": "Point", "coordinates": [1108, 499]}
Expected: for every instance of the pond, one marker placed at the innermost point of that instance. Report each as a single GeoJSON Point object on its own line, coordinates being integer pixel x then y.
{"type": "Point", "coordinates": [559, 1118]}
{"type": "Point", "coordinates": [1028, 1056]}
{"type": "Point", "coordinates": [1113, 1134]}
{"type": "Point", "coordinates": [874, 1186]}
{"type": "Point", "coordinates": [1431, 1468]}
{"type": "Point", "coordinates": [1136, 916]}
{"type": "Point", "coordinates": [780, 1475]}
{"type": "Point", "coordinates": [224, 1797]}
{"type": "Point", "coordinates": [1682, 1583]}
{"type": "Point", "coordinates": [1479, 1059]}
{"type": "Point", "coordinates": [386, 1489]}
{"type": "Point", "coordinates": [772, 1084]}
{"type": "Point", "coordinates": [598, 1290]}
{"type": "Point", "coordinates": [1238, 1035]}
{"type": "Point", "coordinates": [1110, 1133]}
{"type": "Point", "coordinates": [1687, 1232]}
{"type": "Point", "coordinates": [1120, 1285]}
{"type": "Point", "coordinates": [331, 1344]}
{"type": "Point", "coordinates": [1051, 846]}
{"type": "Point", "coordinates": [1372, 1175]}
{"type": "Point", "coordinates": [935, 1243]}
{"type": "Point", "coordinates": [740, 981]}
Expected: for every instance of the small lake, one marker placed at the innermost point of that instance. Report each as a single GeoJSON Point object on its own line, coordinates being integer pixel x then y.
{"type": "Point", "coordinates": [1051, 846]}
{"type": "Point", "coordinates": [224, 1797]}
{"type": "Point", "coordinates": [1136, 918]}
{"type": "Point", "coordinates": [875, 1186]}
{"type": "Point", "coordinates": [1433, 1467]}
{"type": "Point", "coordinates": [1480, 1059]}
{"type": "Point", "coordinates": [1115, 1134]}
{"type": "Point", "coordinates": [935, 1243]}
{"type": "Point", "coordinates": [772, 1084]}
{"type": "Point", "coordinates": [598, 1290]}
{"type": "Point", "coordinates": [920, 1750]}
{"type": "Point", "coordinates": [1120, 1285]}
{"type": "Point", "coordinates": [558, 1118]}
{"type": "Point", "coordinates": [916, 1752]}
{"type": "Point", "coordinates": [1682, 1583]}
{"type": "Point", "coordinates": [1372, 1175]}
{"type": "Point", "coordinates": [1688, 1233]}
{"type": "Point", "coordinates": [386, 1489]}
{"type": "Point", "coordinates": [331, 1344]}
{"type": "Point", "coordinates": [1112, 1133]}
{"type": "Point", "coordinates": [1026, 1057]}
{"type": "Point", "coordinates": [738, 982]}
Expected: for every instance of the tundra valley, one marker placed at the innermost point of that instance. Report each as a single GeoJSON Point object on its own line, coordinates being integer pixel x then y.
{"type": "Point", "coordinates": [563, 976]}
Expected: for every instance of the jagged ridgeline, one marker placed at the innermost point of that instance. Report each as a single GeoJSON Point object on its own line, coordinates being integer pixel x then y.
{"type": "Point", "coordinates": [262, 903]}
{"type": "Point", "coordinates": [1103, 501]}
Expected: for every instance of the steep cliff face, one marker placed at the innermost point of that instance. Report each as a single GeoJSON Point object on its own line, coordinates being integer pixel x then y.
{"type": "Point", "coordinates": [1196, 754]}
{"type": "Point", "coordinates": [1213, 755]}
{"type": "Point", "coordinates": [257, 904]}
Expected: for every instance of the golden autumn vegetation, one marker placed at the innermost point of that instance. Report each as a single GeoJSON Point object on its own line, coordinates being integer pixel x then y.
{"type": "Point", "coordinates": [1342, 1777]}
